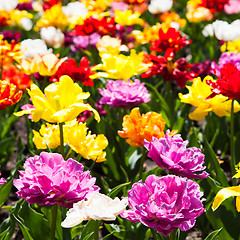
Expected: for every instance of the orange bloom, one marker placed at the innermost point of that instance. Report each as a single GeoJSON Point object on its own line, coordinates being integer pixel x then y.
{"type": "Point", "coordinates": [137, 127]}
{"type": "Point", "coordinates": [9, 94]}
{"type": "Point", "coordinates": [169, 17]}
{"type": "Point", "coordinates": [45, 65]}
{"type": "Point", "coordinates": [9, 52]}
{"type": "Point", "coordinates": [4, 18]}
{"type": "Point", "coordinates": [13, 75]}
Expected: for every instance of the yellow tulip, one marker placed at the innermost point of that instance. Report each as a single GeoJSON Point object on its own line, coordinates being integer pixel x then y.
{"type": "Point", "coordinates": [128, 18]}
{"type": "Point", "coordinates": [62, 102]}
{"type": "Point", "coordinates": [48, 136]}
{"type": "Point", "coordinates": [53, 17]}
{"type": "Point", "coordinates": [121, 66]}
{"type": "Point", "coordinates": [87, 145]}
{"type": "Point", "coordinates": [226, 193]}
{"type": "Point", "coordinates": [197, 95]}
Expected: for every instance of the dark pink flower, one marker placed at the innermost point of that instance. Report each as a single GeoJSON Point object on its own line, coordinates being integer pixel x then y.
{"type": "Point", "coordinates": [165, 203]}
{"type": "Point", "coordinates": [170, 152]}
{"type": "Point", "coordinates": [48, 179]}
{"type": "Point", "coordinates": [2, 180]}
{"type": "Point", "coordinates": [124, 94]}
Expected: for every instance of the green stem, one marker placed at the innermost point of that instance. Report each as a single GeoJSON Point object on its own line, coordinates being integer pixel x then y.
{"type": "Point", "coordinates": [143, 158]}
{"type": "Point", "coordinates": [232, 144]}
{"type": "Point", "coordinates": [61, 138]}
{"type": "Point", "coordinates": [54, 221]}
{"type": "Point", "coordinates": [173, 235]}
{"type": "Point", "coordinates": [96, 229]}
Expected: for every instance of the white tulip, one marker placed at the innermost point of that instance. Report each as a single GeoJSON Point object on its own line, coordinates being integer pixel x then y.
{"type": "Point", "coordinates": [208, 30]}
{"type": "Point", "coordinates": [8, 5]}
{"type": "Point", "coordinates": [32, 47]}
{"type": "Point", "coordinates": [26, 23]}
{"type": "Point", "coordinates": [158, 6]}
{"type": "Point", "coordinates": [52, 37]}
{"type": "Point", "coordinates": [75, 9]}
{"type": "Point", "coordinates": [97, 207]}
{"type": "Point", "coordinates": [225, 31]}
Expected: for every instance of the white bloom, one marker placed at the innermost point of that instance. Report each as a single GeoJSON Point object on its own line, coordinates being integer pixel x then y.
{"type": "Point", "coordinates": [8, 4]}
{"type": "Point", "coordinates": [75, 9]}
{"type": "Point", "coordinates": [26, 23]}
{"type": "Point", "coordinates": [52, 37]}
{"type": "Point", "coordinates": [225, 31]}
{"type": "Point", "coordinates": [158, 6]}
{"type": "Point", "coordinates": [32, 47]}
{"type": "Point", "coordinates": [97, 207]}
{"type": "Point", "coordinates": [175, 25]}
{"type": "Point", "coordinates": [208, 30]}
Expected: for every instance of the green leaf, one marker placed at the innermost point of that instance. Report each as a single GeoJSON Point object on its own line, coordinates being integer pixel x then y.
{"type": "Point", "coordinates": [213, 235]}
{"type": "Point", "coordinates": [38, 225]}
{"type": "Point", "coordinates": [117, 189]}
{"type": "Point", "coordinates": [5, 189]}
{"type": "Point", "coordinates": [24, 229]}
{"type": "Point", "coordinates": [88, 231]}
{"type": "Point", "coordinates": [4, 233]}
{"type": "Point", "coordinates": [211, 158]}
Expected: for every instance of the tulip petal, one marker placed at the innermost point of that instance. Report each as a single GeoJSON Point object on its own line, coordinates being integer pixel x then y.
{"type": "Point", "coordinates": [224, 194]}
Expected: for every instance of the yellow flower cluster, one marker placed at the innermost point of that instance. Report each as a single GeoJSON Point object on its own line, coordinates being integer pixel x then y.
{"type": "Point", "coordinates": [231, 46]}
{"type": "Point", "coordinates": [16, 16]}
{"type": "Point", "coordinates": [53, 17]}
{"type": "Point", "coordinates": [76, 136]}
{"type": "Point", "coordinates": [149, 34]}
{"type": "Point", "coordinates": [121, 66]}
{"type": "Point", "coordinates": [128, 18]}
{"type": "Point", "coordinates": [197, 95]}
{"type": "Point", "coordinates": [196, 14]}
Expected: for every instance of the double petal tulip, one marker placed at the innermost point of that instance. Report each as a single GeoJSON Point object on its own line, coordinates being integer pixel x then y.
{"type": "Point", "coordinates": [198, 97]}
{"type": "Point", "coordinates": [137, 127]}
{"type": "Point", "coordinates": [89, 146]}
{"type": "Point", "coordinates": [165, 203]}
{"type": "Point", "coordinates": [62, 102]}
{"type": "Point", "coordinates": [48, 179]}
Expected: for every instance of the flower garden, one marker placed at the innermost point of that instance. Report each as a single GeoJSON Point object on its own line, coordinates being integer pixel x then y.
{"type": "Point", "coordinates": [119, 119]}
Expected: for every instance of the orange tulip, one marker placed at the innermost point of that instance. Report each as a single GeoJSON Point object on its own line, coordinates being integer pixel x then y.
{"type": "Point", "coordinates": [137, 127]}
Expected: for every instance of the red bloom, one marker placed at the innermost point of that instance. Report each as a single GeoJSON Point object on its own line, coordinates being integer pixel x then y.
{"type": "Point", "coordinates": [70, 68]}
{"type": "Point", "coordinates": [9, 94]}
{"type": "Point", "coordinates": [13, 75]}
{"type": "Point", "coordinates": [49, 3]}
{"type": "Point", "coordinates": [179, 70]}
{"type": "Point", "coordinates": [93, 25]}
{"type": "Point", "coordinates": [228, 83]}
{"type": "Point", "coordinates": [214, 5]}
{"type": "Point", "coordinates": [170, 41]}
{"type": "Point", "coordinates": [135, 1]}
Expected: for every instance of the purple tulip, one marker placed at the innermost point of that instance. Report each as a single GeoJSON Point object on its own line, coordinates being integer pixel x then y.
{"type": "Point", "coordinates": [124, 94]}
{"type": "Point", "coordinates": [170, 152]}
{"type": "Point", "coordinates": [165, 203]}
{"type": "Point", "coordinates": [48, 179]}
